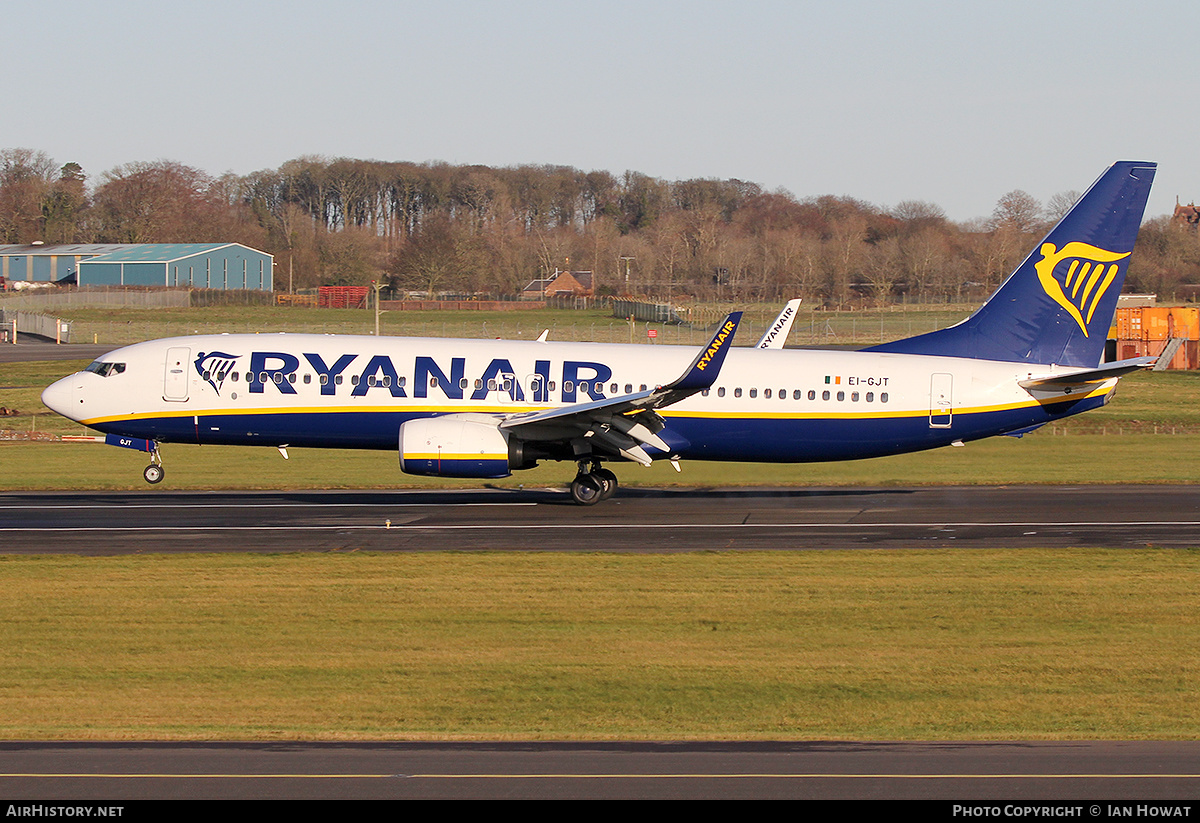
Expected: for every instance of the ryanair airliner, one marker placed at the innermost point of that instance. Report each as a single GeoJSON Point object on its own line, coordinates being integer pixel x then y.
{"type": "Point", "coordinates": [485, 408]}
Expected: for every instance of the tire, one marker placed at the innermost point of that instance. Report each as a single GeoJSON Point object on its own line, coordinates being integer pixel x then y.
{"type": "Point", "coordinates": [608, 482]}
{"type": "Point", "coordinates": [153, 473]}
{"type": "Point", "coordinates": [586, 490]}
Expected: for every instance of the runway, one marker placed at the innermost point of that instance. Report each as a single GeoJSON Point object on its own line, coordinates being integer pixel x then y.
{"type": "Point", "coordinates": [651, 520]}
{"type": "Point", "coordinates": [676, 520]}
{"type": "Point", "coordinates": [1089, 776]}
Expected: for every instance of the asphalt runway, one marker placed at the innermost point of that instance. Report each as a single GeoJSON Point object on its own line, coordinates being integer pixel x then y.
{"type": "Point", "coordinates": [1089, 776]}
{"type": "Point", "coordinates": [31, 348]}
{"type": "Point", "coordinates": [636, 520]}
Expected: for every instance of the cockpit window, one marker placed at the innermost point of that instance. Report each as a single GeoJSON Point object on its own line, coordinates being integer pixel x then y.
{"type": "Point", "coordinates": [105, 369]}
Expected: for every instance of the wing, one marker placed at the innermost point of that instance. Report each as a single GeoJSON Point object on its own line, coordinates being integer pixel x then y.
{"type": "Point", "coordinates": [624, 425]}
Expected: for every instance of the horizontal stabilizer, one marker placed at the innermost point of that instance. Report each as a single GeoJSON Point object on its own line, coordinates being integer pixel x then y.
{"type": "Point", "coordinates": [1071, 380]}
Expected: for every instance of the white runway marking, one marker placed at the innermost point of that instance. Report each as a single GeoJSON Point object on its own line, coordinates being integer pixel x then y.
{"type": "Point", "coordinates": [594, 526]}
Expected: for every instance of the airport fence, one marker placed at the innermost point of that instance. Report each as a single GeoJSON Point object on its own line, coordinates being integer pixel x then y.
{"type": "Point", "coordinates": [51, 328]}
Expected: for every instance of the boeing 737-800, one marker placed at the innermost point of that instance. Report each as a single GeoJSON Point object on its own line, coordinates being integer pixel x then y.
{"type": "Point", "coordinates": [485, 408]}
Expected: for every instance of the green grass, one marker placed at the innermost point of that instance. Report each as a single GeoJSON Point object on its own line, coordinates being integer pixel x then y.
{"type": "Point", "coordinates": [1064, 458]}
{"type": "Point", "coordinates": [812, 327]}
{"type": "Point", "coordinates": [813, 645]}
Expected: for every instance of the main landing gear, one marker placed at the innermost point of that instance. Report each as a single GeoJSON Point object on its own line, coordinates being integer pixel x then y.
{"type": "Point", "coordinates": [154, 472]}
{"type": "Point", "coordinates": [590, 487]}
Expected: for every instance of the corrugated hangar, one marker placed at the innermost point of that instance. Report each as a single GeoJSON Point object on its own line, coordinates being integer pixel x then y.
{"type": "Point", "coordinates": [198, 265]}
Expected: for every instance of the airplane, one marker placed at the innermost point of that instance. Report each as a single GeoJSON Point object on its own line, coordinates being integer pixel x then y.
{"type": "Point", "coordinates": [1029, 355]}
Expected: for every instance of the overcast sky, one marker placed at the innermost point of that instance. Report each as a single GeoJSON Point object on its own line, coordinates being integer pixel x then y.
{"type": "Point", "coordinates": [955, 103]}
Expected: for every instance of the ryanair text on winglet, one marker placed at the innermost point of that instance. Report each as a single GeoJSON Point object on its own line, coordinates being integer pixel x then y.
{"type": "Point", "coordinates": [718, 342]}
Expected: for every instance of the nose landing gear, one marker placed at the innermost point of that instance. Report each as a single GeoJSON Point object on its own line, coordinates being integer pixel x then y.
{"type": "Point", "coordinates": [154, 472]}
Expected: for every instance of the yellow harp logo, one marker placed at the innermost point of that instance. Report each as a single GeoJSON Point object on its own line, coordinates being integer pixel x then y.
{"type": "Point", "coordinates": [1083, 282]}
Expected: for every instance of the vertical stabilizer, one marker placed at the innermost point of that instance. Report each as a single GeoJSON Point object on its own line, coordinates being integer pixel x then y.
{"type": "Point", "coordinates": [1058, 305]}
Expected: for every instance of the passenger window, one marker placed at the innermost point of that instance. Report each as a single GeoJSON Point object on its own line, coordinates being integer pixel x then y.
{"type": "Point", "coordinates": [737, 392]}
{"type": "Point", "coordinates": [720, 391]}
{"type": "Point", "coordinates": [462, 383]}
{"type": "Point", "coordinates": [812, 395]}
{"type": "Point", "coordinates": [766, 394]}
{"type": "Point", "coordinates": [870, 397]}
{"type": "Point", "coordinates": [307, 379]}
{"type": "Point", "coordinates": [754, 392]}
{"type": "Point", "coordinates": [629, 388]}
{"type": "Point", "coordinates": [841, 396]}
{"type": "Point", "coordinates": [568, 386]}
{"type": "Point", "coordinates": [354, 378]}
{"type": "Point", "coordinates": [825, 395]}
{"type": "Point", "coordinates": [613, 388]}
{"type": "Point", "coordinates": [854, 397]}
{"type": "Point", "coordinates": [883, 397]}
{"type": "Point", "coordinates": [338, 380]}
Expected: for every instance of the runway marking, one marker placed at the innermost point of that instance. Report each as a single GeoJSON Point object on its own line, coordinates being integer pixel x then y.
{"type": "Point", "coordinates": [598, 776]}
{"type": "Point", "coordinates": [176, 507]}
{"type": "Point", "coordinates": [595, 526]}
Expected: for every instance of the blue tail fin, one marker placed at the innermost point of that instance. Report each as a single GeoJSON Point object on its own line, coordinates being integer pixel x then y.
{"type": "Point", "coordinates": [1058, 305]}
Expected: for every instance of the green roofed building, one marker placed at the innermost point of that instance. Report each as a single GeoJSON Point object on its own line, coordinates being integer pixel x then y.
{"type": "Point", "coordinates": [163, 265]}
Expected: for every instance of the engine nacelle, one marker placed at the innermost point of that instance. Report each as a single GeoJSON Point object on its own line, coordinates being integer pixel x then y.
{"type": "Point", "coordinates": [455, 445]}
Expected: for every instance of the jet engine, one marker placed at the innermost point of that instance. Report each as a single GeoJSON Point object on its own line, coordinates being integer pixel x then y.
{"type": "Point", "coordinates": [458, 445]}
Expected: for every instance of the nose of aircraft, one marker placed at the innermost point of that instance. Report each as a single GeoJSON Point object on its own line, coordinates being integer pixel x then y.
{"type": "Point", "coordinates": [58, 396]}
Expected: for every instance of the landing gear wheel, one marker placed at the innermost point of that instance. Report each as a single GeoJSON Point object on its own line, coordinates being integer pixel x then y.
{"type": "Point", "coordinates": [586, 490]}
{"type": "Point", "coordinates": [153, 473]}
{"type": "Point", "coordinates": [608, 482]}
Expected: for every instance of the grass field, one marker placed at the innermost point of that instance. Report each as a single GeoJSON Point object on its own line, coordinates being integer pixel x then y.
{"type": "Point", "coordinates": [812, 327]}
{"type": "Point", "coordinates": [809, 645]}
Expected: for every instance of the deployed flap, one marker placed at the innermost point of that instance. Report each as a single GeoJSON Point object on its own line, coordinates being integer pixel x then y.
{"type": "Point", "coordinates": [1070, 380]}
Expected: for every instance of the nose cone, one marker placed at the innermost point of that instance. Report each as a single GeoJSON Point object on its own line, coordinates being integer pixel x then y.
{"type": "Point", "coordinates": [58, 396]}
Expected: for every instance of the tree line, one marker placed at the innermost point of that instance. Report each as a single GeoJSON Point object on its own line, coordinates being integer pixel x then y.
{"type": "Point", "coordinates": [467, 229]}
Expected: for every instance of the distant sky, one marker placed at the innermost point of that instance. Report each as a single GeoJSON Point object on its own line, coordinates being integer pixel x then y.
{"type": "Point", "coordinates": [955, 103]}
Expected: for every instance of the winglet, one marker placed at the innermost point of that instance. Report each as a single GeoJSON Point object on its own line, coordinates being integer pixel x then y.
{"type": "Point", "coordinates": [776, 334]}
{"type": "Point", "coordinates": [707, 365]}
